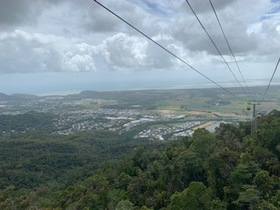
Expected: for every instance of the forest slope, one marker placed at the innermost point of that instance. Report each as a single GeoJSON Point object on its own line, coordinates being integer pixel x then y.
{"type": "Point", "coordinates": [228, 169]}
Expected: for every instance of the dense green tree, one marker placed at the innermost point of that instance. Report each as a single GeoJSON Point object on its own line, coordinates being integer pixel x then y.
{"type": "Point", "coordinates": [219, 167]}
{"type": "Point", "coordinates": [125, 205]}
{"type": "Point", "coordinates": [249, 198]}
{"type": "Point", "coordinates": [203, 143]}
{"type": "Point", "coordinates": [265, 205]}
{"type": "Point", "coordinates": [196, 197]}
{"type": "Point", "coordinates": [244, 171]}
{"type": "Point", "coordinates": [264, 183]}
{"type": "Point", "coordinates": [229, 136]}
{"type": "Point", "coordinates": [268, 134]}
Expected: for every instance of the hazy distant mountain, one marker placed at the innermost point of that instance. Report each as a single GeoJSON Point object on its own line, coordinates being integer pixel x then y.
{"type": "Point", "coordinates": [4, 97]}
{"type": "Point", "coordinates": [85, 94]}
{"type": "Point", "coordinates": [88, 93]}
{"type": "Point", "coordinates": [24, 96]}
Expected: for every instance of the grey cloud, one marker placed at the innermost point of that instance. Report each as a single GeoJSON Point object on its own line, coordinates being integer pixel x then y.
{"type": "Point", "coordinates": [97, 19]}
{"type": "Point", "coordinates": [14, 11]}
{"type": "Point", "coordinates": [235, 21]}
{"type": "Point", "coordinates": [158, 57]}
{"type": "Point", "coordinates": [240, 43]}
{"type": "Point", "coordinates": [18, 12]}
{"type": "Point", "coordinates": [270, 43]}
{"type": "Point", "coordinates": [203, 6]}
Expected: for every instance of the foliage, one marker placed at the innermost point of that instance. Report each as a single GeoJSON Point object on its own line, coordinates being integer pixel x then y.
{"type": "Point", "coordinates": [229, 169]}
{"type": "Point", "coordinates": [29, 121]}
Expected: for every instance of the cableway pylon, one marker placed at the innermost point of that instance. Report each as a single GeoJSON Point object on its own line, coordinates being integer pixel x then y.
{"type": "Point", "coordinates": [254, 123]}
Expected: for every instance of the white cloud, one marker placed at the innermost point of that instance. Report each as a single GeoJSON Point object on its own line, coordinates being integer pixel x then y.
{"type": "Point", "coordinates": [134, 52]}
{"type": "Point", "coordinates": [32, 52]}
{"type": "Point", "coordinates": [78, 63]}
{"type": "Point", "coordinates": [122, 50]}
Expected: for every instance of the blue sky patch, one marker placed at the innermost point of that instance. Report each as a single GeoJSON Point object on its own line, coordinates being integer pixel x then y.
{"type": "Point", "coordinates": [152, 7]}
{"type": "Point", "coordinates": [272, 12]}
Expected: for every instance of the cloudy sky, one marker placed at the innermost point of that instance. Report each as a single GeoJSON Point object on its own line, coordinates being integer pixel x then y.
{"type": "Point", "coordinates": [63, 46]}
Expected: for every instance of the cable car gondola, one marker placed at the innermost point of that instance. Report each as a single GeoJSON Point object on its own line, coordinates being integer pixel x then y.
{"type": "Point", "coordinates": [248, 106]}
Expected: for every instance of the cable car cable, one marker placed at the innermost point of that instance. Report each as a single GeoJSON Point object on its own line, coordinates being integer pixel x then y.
{"type": "Point", "coordinates": [168, 51]}
{"type": "Point", "coordinates": [229, 47]}
{"type": "Point", "coordinates": [270, 80]}
{"type": "Point", "coordinates": [213, 42]}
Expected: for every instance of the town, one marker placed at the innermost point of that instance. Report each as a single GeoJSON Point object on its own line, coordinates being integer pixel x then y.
{"type": "Point", "coordinates": [76, 113]}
